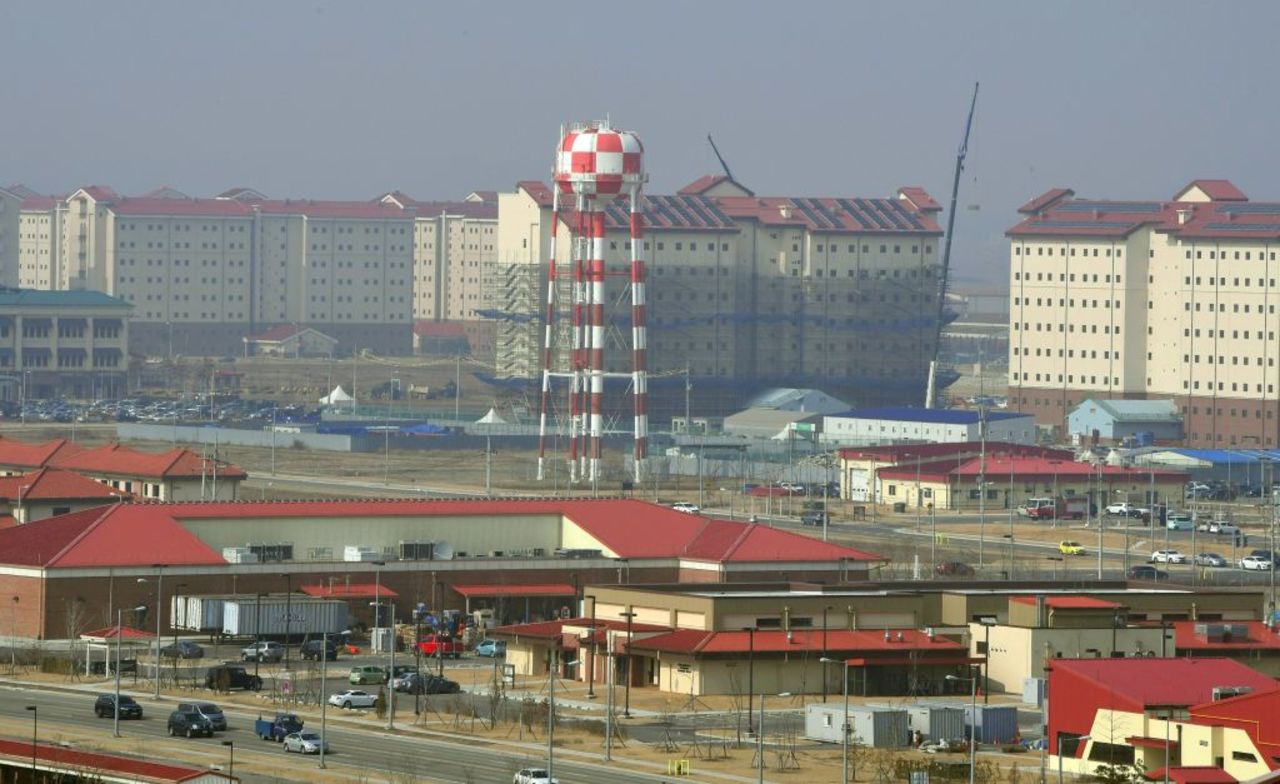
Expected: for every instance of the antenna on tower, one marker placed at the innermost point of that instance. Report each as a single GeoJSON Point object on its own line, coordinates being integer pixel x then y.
{"type": "Point", "coordinates": [719, 157]}
{"type": "Point", "coordinates": [931, 393]}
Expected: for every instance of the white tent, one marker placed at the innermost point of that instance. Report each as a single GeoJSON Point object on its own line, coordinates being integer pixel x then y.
{"type": "Point", "coordinates": [491, 418]}
{"type": "Point", "coordinates": [338, 395]}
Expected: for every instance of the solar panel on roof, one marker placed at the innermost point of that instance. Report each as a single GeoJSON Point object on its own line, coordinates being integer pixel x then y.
{"type": "Point", "coordinates": [656, 203]}
{"type": "Point", "coordinates": [1244, 226]}
{"type": "Point", "coordinates": [870, 212]}
{"type": "Point", "coordinates": [679, 209]}
{"type": "Point", "coordinates": [697, 205]}
{"type": "Point", "coordinates": [1066, 224]}
{"type": "Point", "coordinates": [1253, 208]}
{"type": "Point", "coordinates": [852, 212]}
{"type": "Point", "coordinates": [1109, 206]}
{"type": "Point", "coordinates": [883, 207]}
{"type": "Point", "coordinates": [817, 219]}
{"type": "Point", "coordinates": [906, 214]}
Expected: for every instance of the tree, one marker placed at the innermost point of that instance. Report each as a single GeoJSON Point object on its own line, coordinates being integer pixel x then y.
{"type": "Point", "coordinates": [1120, 773]}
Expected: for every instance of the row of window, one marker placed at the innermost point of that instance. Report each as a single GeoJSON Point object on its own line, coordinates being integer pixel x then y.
{"type": "Point", "coordinates": [1084, 328]}
{"type": "Point", "coordinates": [1262, 282]}
{"type": "Point", "coordinates": [1064, 277]}
{"type": "Point", "coordinates": [1084, 303]}
{"type": "Point", "coordinates": [1071, 353]}
{"type": "Point", "coordinates": [1040, 251]}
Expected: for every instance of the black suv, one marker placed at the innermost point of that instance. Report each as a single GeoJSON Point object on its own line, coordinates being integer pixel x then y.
{"type": "Point", "coordinates": [105, 706]}
{"type": "Point", "coordinates": [813, 518]}
{"type": "Point", "coordinates": [319, 648]}
{"type": "Point", "coordinates": [229, 677]}
{"type": "Point", "coordinates": [189, 723]}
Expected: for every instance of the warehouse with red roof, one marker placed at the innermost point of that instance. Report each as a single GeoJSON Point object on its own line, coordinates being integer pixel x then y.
{"type": "Point", "coordinates": [95, 556]}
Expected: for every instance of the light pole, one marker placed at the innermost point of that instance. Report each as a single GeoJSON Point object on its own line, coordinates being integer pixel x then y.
{"type": "Point", "coordinates": [159, 598]}
{"type": "Point", "coordinates": [626, 709]}
{"type": "Point", "coordinates": [844, 726]}
{"type": "Point", "coordinates": [591, 663]}
{"type": "Point", "coordinates": [751, 672]}
{"type": "Point", "coordinates": [391, 690]}
{"type": "Point", "coordinates": [760, 738]}
{"type": "Point", "coordinates": [35, 735]}
{"type": "Point", "coordinates": [257, 632]}
{"type": "Point", "coordinates": [1077, 738]}
{"type": "Point", "coordinates": [13, 636]}
{"type": "Point", "coordinates": [987, 622]}
{"type": "Point", "coordinates": [231, 756]}
{"type": "Point", "coordinates": [825, 610]}
{"type": "Point", "coordinates": [973, 723]}
{"type": "Point", "coordinates": [115, 724]}
{"type": "Point", "coordinates": [288, 614]}
{"type": "Point", "coordinates": [554, 655]}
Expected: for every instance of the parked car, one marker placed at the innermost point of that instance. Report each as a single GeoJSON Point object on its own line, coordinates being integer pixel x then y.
{"type": "Point", "coordinates": [1197, 490]}
{"type": "Point", "coordinates": [183, 649]}
{"type": "Point", "coordinates": [417, 683]}
{"type": "Point", "coordinates": [105, 706]}
{"type": "Point", "coordinates": [1179, 521]}
{"type": "Point", "coordinates": [1168, 556]}
{"type": "Point", "coordinates": [226, 677]}
{"type": "Point", "coordinates": [262, 652]}
{"type": "Point", "coordinates": [207, 709]}
{"type": "Point", "coordinates": [316, 650]}
{"type": "Point", "coordinates": [1070, 548]}
{"type": "Point", "coordinates": [1143, 572]}
{"type": "Point", "coordinates": [492, 648]}
{"type": "Point", "coordinates": [353, 698]}
{"type": "Point", "coordinates": [190, 724]}
{"type": "Point", "coordinates": [533, 776]}
{"type": "Point", "coordinates": [1267, 555]}
{"type": "Point", "coordinates": [1255, 563]}
{"type": "Point", "coordinates": [1210, 559]}
{"type": "Point", "coordinates": [1125, 509]}
{"type": "Point", "coordinates": [954, 569]}
{"type": "Point", "coordinates": [367, 673]}
{"type": "Point", "coordinates": [305, 742]}
{"type": "Point", "coordinates": [685, 506]}
{"type": "Point", "coordinates": [1223, 527]}
{"type": "Point", "coordinates": [434, 645]}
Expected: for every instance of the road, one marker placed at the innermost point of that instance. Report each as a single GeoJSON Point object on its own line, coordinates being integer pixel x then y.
{"type": "Point", "coordinates": [356, 752]}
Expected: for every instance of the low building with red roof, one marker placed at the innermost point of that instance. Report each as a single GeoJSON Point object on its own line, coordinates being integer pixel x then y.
{"type": "Point", "coordinates": [859, 464]}
{"type": "Point", "coordinates": [1253, 643]}
{"type": "Point", "coordinates": [95, 554]}
{"type": "Point", "coordinates": [174, 475]}
{"type": "Point", "coordinates": [290, 340]}
{"type": "Point", "coordinates": [1011, 479]}
{"type": "Point", "coordinates": [47, 492]}
{"type": "Point", "coordinates": [65, 762]}
{"type": "Point", "coordinates": [1161, 712]}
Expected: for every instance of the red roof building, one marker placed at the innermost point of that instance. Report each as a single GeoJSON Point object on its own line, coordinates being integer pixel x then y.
{"type": "Point", "coordinates": [53, 491]}
{"type": "Point", "coordinates": [56, 761]}
{"type": "Point", "coordinates": [1118, 708]}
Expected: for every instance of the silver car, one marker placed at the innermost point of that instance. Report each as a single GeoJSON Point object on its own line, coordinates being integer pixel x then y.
{"type": "Point", "coordinates": [304, 742]}
{"type": "Point", "coordinates": [1210, 559]}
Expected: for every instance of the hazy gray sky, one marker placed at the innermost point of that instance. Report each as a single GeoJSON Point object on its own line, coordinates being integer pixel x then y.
{"type": "Point", "coordinates": [349, 99]}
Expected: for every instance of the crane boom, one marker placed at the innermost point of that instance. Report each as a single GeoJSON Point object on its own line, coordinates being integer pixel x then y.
{"type": "Point", "coordinates": [931, 391]}
{"type": "Point", "coordinates": [720, 158]}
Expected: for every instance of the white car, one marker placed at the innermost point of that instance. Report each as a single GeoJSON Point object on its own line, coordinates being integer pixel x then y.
{"type": "Point", "coordinates": [1123, 508]}
{"type": "Point", "coordinates": [353, 698]}
{"type": "Point", "coordinates": [1254, 562]}
{"type": "Point", "coordinates": [1179, 521]}
{"type": "Point", "coordinates": [1217, 527]}
{"type": "Point", "coordinates": [533, 776]}
{"type": "Point", "coordinates": [305, 742]}
{"type": "Point", "coordinates": [688, 508]}
{"type": "Point", "coordinates": [1168, 556]}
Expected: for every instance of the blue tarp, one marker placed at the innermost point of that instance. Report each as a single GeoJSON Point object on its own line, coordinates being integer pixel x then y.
{"type": "Point", "coordinates": [424, 429]}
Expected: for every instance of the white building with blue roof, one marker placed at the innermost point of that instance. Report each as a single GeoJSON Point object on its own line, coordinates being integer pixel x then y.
{"type": "Point", "coordinates": [900, 424]}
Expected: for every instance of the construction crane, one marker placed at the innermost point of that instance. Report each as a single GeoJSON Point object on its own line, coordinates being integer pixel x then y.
{"type": "Point", "coordinates": [931, 392]}
{"type": "Point", "coordinates": [720, 158]}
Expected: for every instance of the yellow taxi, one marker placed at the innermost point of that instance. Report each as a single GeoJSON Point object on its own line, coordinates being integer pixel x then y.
{"type": "Point", "coordinates": [1070, 548]}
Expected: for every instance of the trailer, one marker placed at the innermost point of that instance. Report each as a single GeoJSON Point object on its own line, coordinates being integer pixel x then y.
{"type": "Point", "coordinates": [876, 726]}
{"type": "Point", "coordinates": [274, 617]}
{"type": "Point", "coordinates": [196, 613]}
{"type": "Point", "coordinates": [937, 722]}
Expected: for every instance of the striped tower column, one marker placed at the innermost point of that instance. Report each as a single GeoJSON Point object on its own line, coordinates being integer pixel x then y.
{"type": "Point", "coordinates": [596, 319]}
{"type": "Point", "coordinates": [547, 337]}
{"type": "Point", "coordinates": [639, 338]}
{"type": "Point", "coordinates": [576, 354]}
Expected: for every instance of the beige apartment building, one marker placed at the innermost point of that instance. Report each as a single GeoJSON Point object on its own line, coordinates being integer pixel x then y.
{"type": "Point", "coordinates": [1150, 299]}
{"type": "Point", "coordinates": [203, 273]}
{"type": "Point", "coordinates": [745, 292]}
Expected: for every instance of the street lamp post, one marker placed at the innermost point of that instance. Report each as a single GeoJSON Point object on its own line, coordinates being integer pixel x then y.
{"type": "Point", "coordinates": [1077, 738]}
{"type": "Point", "coordinates": [159, 598]}
{"type": "Point", "coordinates": [257, 632]}
{"type": "Point", "coordinates": [35, 736]}
{"type": "Point", "coordinates": [115, 724]}
{"type": "Point", "coordinates": [324, 700]}
{"type": "Point", "coordinates": [626, 708]}
{"type": "Point", "coordinates": [824, 651]}
{"type": "Point", "coordinates": [591, 663]}
{"type": "Point", "coordinates": [844, 726]}
{"type": "Point", "coordinates": [288, 614]}
{"type": "Point", "coordinates": [760, 738]}
{"type": "Point", "coordinates": [391, 690]}
{"type": "Point", "coordinates": [751, 672]}
{"type": "Point", "coordinates": [553, 655]}
{"type": "Point", "coordinates": [231, 756]}
{"type": "Point", "coordinates": [973, 722]}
